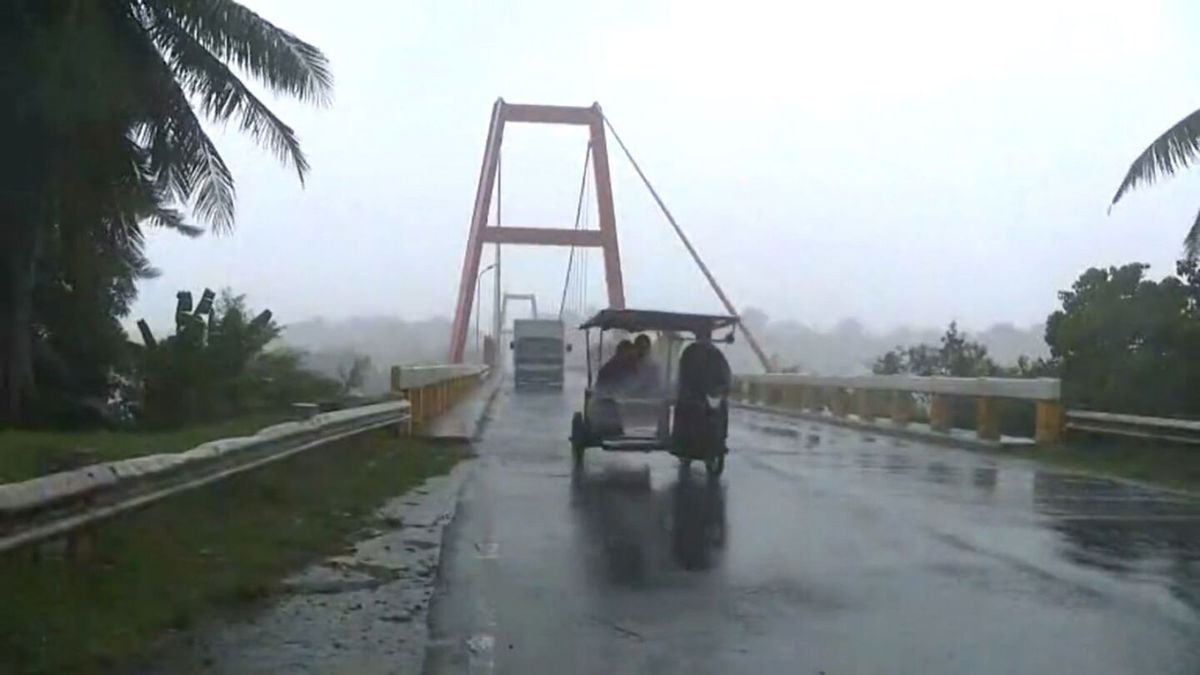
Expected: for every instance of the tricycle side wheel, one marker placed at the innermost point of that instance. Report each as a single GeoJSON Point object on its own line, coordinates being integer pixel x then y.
{"type": "Point", "coordinates": [578, 437]}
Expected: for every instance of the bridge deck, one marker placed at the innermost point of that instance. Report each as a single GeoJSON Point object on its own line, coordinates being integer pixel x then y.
{"type": "Point", "coordinates": [823, 549]}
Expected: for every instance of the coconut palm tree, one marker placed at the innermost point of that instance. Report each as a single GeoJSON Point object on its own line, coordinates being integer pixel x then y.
{"type": "Point", "coordinates": [105, 125]}
{"type": "Point", "coordinates": [1173, 150]}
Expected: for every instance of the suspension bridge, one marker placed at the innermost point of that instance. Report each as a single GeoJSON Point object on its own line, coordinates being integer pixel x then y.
{"type": "Point", "coordinates": [854, 530]}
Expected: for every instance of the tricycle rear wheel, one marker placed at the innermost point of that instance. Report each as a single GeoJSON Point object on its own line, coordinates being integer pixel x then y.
{"type": "Point", "coordinates": [714, 466]}
{"type": "Point", "coordinates": [579, 436]}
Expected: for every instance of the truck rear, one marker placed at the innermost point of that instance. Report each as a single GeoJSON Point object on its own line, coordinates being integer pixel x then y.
{"type": "Point", "coordinates": [538, 350]}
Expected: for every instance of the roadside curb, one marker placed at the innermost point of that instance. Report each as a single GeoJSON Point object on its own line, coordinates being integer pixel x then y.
{"type": "Point", "coordinates": [912, 432]}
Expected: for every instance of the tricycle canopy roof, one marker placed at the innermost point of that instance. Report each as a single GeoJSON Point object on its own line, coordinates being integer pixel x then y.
{"type": "Point", "coordinates": [636, 320]}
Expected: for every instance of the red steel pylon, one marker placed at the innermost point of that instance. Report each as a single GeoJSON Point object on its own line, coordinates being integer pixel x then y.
{"type": "Point", "coordinates": [481, 233]}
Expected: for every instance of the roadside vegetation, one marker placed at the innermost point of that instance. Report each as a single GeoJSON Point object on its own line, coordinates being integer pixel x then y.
{"type": "Point", "coordinates": [1170, 465]}
{"type": "Point", "coordinates": [1121, 342]}
{"type": "Point", "coordinates": [26, 454]}
{"type": "Point", "coordinates": [107, 102]}
{"type": "Point", "coordinates": [224, 547]}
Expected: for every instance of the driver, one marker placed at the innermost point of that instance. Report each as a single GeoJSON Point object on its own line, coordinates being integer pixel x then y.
{"type": "Point", "coordinates": [703, 374]}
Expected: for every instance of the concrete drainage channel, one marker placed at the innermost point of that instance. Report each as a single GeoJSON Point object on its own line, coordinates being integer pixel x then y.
{"type": "Point", "coordinates": [364, 611]}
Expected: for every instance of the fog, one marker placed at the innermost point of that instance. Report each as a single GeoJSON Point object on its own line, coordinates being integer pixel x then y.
{"type": "Point", "coordinates": [904, 165]}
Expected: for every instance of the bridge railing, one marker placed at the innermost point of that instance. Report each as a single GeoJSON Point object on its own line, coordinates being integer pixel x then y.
{"type": "Point", "coordinates": [432, 390]}
{"type": "Point", "coordinates": [869, 397]}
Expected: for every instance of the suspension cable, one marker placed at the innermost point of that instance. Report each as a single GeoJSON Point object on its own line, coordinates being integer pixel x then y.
{"type": "Point", "coordinates": [585, 255]}
{"type": "Point", "coordinates": [578, 214]}
{"type": "Point", "coordinates": [712, 281]}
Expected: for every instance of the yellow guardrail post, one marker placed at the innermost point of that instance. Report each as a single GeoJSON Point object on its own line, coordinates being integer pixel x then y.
{"type": "Point", "coordinates": [901, 411]}
{"type": "Point", "coordinates": [939, 413]}
{"type": "Point", "coordinates": [840, 401]}
{"type": "Point", "coordinates": [987, 418]}
{"type": "Point", "coordinates": [863, 407]}
{"type": "Point", "coordinates": [1049, 425]}
{"type": "Point", "coordinates": [795, 396]}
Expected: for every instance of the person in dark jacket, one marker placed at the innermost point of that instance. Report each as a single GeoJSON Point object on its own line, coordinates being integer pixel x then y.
{"type": "Point", "coordinates": [700, 427]}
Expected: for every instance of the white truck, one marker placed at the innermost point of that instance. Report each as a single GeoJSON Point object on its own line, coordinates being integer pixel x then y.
{"type": "Point", "coordinates": [538, 349]}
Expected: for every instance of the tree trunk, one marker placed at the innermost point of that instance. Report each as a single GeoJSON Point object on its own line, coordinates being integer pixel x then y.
{"type": "Point", "coordinates": [19, 237]}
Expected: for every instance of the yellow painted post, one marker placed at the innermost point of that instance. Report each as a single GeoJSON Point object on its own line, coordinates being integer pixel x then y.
{"type": "Point", "coordinates": [863, 405]}
{"type": "Point", "coordinates": [840, 401]}
{"type": "Point", "coordinates": [1050, 418]}
{"type": "Point", "coordinates": [901, 408]}
{"type": "Point", "coordinates": [987, 418]}
{"type": "Point", "coordinates": [939, 413]}
{"type": "Point", "coordinates": [796, 396]}
{"type": "Point", "coordinates": [406, 395]}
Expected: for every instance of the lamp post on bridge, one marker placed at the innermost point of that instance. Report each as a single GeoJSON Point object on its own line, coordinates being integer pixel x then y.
{"type": "Point", "coordinates": [478, 281]}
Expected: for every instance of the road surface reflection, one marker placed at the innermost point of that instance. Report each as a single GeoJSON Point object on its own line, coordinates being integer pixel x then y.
{"type": "Point", "coordinates": [636, 530]}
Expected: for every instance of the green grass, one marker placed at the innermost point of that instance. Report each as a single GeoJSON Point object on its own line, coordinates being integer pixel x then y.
{"type": "Point", "coordinates": [1169, 465]}
{"type": "Point", "coordinates": [223, 546]}
{"type": "Point", "coordinates": [27, 454]}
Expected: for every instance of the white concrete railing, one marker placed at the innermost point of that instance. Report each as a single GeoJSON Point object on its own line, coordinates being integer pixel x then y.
{"type": "Point", "coordinates": [1032, 389]}
{"type": "Point", "coordinates": [433, 389]}
{"type": "Point", "coordinates": [419, 376]}
{"type": "Point", "coordinates": [862, 393]}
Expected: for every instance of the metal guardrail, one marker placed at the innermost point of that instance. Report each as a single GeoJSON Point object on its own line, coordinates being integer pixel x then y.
{"type": "Point", "coordinates": [1135, 426]}
{"type": "Point", "coordinates": [861, 396]}
{"type": "Point", "coordinates": [71, 502]}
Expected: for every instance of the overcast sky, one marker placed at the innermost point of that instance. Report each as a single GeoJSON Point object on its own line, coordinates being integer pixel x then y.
{"type": "Point", "coordinates": [909, 162]}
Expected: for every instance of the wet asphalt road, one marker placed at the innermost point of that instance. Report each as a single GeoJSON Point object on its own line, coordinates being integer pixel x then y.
{"type": "Point", "coordinates": [822, 550]}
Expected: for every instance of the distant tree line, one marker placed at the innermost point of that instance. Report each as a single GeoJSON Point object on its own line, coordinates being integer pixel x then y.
{"type": "Point", "coordinates": [1120, 342]}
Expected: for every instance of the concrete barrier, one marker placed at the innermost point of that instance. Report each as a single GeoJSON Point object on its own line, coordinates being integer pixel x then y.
{"type": "Point", "coordinates": [870, 396]}
{"type": "Point", "coordinates": [432, 390]}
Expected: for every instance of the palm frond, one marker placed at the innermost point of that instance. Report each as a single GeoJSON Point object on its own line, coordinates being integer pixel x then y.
{"type": "Point", "coordinates": [1191, 243]}
{"type": "Point", "coordinates": [184, 160]}
{"type": "Point", "coordinates": [179, 156]}
{"type": "Point", "coordinates": [222, 95]}
{"type": "Point", "coordinates": [171, 219]}
{"type": "Point", "coordinates": [280, 60]}
{"type": "Point", "coordinates": [1173, 150]}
